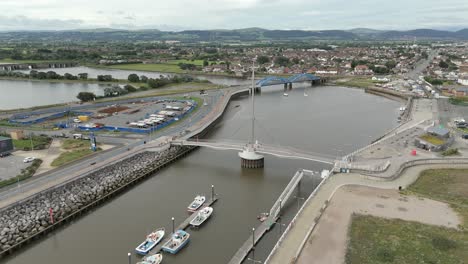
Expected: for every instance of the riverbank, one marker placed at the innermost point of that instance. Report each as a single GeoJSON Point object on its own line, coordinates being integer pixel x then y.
{"type": "Point", "coordinates": [23, 221]}
{"type": "Point", "coordinates": [170, 89]}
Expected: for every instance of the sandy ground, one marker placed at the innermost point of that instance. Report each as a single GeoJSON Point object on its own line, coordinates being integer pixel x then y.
{"type": "Point", "coordinates": [49, 155]}
{"type": "Point", "coordinates": [328, 241]}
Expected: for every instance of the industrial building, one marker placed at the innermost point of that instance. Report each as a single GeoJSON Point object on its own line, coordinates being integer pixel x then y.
{"type": "Point", "coordinates": [6, 146]}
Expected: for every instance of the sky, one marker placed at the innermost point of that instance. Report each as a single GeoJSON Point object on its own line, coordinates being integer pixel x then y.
{"type": "Point", "coordinates": [232, 14]}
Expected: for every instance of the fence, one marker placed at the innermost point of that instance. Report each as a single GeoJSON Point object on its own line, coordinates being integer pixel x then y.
{"type": "Point", "coordinates": [144, 130]}
{"type": "Point", "coordinates": [14, 118]}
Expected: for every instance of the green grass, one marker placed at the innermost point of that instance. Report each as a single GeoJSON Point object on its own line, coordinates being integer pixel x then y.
{"type": "Point", "coordinates": [38, 142]}
{"type": "Point", "coordinates": [432, 139]}
{"type": "Point", "coordinates": [75, 144]}
{"type": "Point", "coordinates": [377, 240]}
{"type": "Point", "coordinates": [160, 67]}
{"type": "Point", "coordinates": [70, 156]}
{"type": "Point", "coordinates": [446, 185]}
{"type": "Point", "coordinates": [357, 82]}
{"type": "Point", "coordinates": [28, 61]}
{"type": "Point", "coordinates": [77, 149]}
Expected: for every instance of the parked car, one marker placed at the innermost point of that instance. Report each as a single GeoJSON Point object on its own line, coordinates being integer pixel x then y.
{"type": "Point", "coordinates": [76, 120]}
{"type": "Point", "coordinates": [29, 159]}
{"type": "Point", "coordinates": [465, 136]}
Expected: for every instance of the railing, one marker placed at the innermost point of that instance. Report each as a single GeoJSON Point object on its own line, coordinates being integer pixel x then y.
{"type": "Point", "coordinates": [293, 221]}
{"type": "Point", "coordinates": [274, 211]}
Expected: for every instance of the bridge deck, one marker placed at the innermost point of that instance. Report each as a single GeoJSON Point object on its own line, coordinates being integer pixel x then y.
{"type": "Point", "coordinates": [184, 225]}
{"type": "Point", "coordinates": [279, 151]}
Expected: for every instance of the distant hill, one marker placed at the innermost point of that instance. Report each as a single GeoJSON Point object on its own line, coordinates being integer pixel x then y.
{"type": "Point", "coordinates": [247, 34]}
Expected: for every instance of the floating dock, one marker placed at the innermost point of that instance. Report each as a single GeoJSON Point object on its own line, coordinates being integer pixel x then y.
{"type": "Point", "coordinates": [184, 225]}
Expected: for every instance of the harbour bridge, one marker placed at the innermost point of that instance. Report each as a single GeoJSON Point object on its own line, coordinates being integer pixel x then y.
{"type": "Point", "coordinates": [250, 152]}
{"type": "Point", "coordinates": [288, 81]}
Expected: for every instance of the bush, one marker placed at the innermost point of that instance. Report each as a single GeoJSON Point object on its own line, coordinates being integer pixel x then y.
{"type": "Point", "coordinates": [442, 243]}
{"type": "Point", "coordinates": [450, 152]}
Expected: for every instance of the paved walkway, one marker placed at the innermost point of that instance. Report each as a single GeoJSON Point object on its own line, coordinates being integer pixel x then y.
{"type": "Point", "coordinates": [328, 242]}
{"type": "Point", "coordinates": [304, 223]}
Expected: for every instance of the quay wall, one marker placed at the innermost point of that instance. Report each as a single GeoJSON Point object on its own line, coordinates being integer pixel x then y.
{"type": "Point", "coordinates": [43, 212]}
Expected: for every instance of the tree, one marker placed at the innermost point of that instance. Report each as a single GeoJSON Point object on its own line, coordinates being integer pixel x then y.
{"type": "Point", "coordinates": [86, 96]}
{"type": "Point", "coordinates": [281, 61]}
{"type": "Point", "coordinates": [443, 64]}
{"type": "Point", "coordinates": [83, 76]}
{"type": "Point", "coordinates": [52, 75]}
{"type": "Point", "coordinates": [143, 78]}
{"type": "Point", "coordinates": [133, 78]}
{"type": "Point", "coordinates": [263, 59]}
{"type": "Point", "coordinates": [130, 88]}
{"type": "Point", "coordinates": [205, 63]}
{"type": "Point", "coordinates": [295, 60]}
{"type": "Point", "coordinates": [390, 64]}
{"type": "Point", "coordinates": [424, 55]}
{"type": "Point", "coordinates": [69, 76]}
{"type": "Point", "coordinates": [104, 78]}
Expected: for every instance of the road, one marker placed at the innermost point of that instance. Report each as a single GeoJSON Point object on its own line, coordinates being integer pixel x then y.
{"type": "Point", "coordinates": [56, 176]}
{"type": "Point", "coordinates": [421, 66]}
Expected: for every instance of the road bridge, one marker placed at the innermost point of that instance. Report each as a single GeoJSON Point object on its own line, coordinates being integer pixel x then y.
{"type": "Point", "coordinates": [288, 81]}
{"type": "Point", "coordinates": [278, 151]}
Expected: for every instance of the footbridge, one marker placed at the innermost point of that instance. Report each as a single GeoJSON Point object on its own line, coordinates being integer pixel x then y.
{"type": "Point", "coordinates": [278, 151]}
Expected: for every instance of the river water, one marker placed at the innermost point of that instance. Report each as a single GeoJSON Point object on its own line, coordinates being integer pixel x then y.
{"type": "Point", "coordinates": [331, 120]}
{"type": "Point", "coordinates": [23, 94]}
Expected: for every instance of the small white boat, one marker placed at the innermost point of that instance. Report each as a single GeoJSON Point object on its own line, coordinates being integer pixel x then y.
{"type": "Point", "coordinates": [285, 94]}
{"type": "Point", "coordinates": [151, 241]}
{"type": "Point", "coordinates": [178, 240]}
{"type": "Point", "coordinates": [202, 216]}
{"type": "Point", "coordinates": [197, 202]}
{"type": "Point", "coordinates": [153, 259]}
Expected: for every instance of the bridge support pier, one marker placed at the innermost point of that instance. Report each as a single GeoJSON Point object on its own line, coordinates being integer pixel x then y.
{"type": "Point", "coordinates": [250, 159]}
{"type": "Point", "coordinates": [290, 86]}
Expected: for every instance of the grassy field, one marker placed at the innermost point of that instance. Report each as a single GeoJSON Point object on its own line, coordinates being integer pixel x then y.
{"type": "Point", "coordinates": [446, 185]}
{"type": "Point", "coordinates": [38, 142]}
{"type": "Point", "coordinates": [378, 240]}
{"type": "Point", "coordinates": [358, 82]}
{"type": "Point", "coordinates": [162, 67]}
{"type": "Point", "coordinates": [76, 149]}
{"type": "Point", "coordinates": [169, 66]}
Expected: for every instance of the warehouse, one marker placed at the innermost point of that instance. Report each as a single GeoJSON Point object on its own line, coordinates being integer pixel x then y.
{"type": "Point", "coordinates": [6, 146]}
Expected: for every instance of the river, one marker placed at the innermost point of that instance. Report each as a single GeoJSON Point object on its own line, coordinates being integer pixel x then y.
{"type": "Point", "coordinates": [23, 94]}
{"type": "Point", "coordinates": [331, 120]}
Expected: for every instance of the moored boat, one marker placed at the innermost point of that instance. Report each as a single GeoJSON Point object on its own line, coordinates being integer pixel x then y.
{"type": "Point", "coordinates": [197, 202]}
{"type": "Point", "coordinates": [178, 240]}
{"type": "Point", "coordinates": [153, 259]}
{"type": "Point", "coordinates": [202, 216]}
{"type": "Point", "coordinates": [151, 241]}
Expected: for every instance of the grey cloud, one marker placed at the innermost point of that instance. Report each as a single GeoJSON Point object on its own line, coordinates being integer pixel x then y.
{"type": "Point", "coordinates": [25, 23]}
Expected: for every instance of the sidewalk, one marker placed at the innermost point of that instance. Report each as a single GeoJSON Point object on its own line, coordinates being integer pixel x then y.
{"type": "Point", "coordinates": [299, 233]}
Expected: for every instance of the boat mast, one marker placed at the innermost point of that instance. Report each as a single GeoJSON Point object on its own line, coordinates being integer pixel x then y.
{"type": "Point", "coordinates": [253, 102]}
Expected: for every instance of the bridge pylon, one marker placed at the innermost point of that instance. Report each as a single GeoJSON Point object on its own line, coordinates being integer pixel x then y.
{"type": "Point", "coordinates": [251, 159]}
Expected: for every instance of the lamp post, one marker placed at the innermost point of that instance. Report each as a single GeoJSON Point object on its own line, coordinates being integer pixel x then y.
{"type": "Point", "coordinates": [129, 258]}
